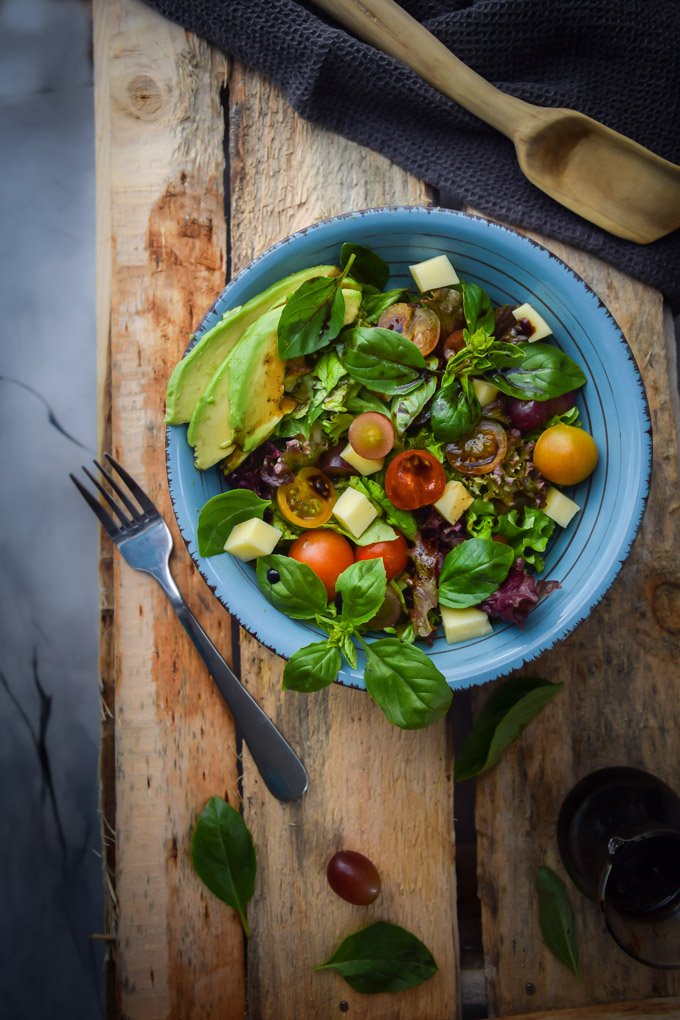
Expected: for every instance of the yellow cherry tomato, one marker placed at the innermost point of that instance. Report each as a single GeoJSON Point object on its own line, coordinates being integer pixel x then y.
{"type": "Point", "coordinates": [308, 500]}
{"type": "Point", "coordinates": [565, 454]}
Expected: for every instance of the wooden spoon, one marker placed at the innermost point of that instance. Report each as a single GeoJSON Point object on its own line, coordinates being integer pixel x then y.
{"type": "Point", "coordinates": [591, 169]}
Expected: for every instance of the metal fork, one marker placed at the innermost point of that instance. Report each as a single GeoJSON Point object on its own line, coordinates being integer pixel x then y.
{"type": "Point", "coordinates": [145, 542]}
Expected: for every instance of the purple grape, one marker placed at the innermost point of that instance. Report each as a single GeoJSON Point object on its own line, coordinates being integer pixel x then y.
{"type": "Point", "coordinates": [527, 415]}
{"type": "Point", "coordinates": [558, 405]}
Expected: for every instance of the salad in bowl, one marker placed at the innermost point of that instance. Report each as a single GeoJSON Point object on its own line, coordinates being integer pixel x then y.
{"type": "Point", "coordinates": [395, 459]}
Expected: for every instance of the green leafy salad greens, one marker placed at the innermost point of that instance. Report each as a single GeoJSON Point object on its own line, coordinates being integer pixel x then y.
{"type": "Point", "coordinates": [342, 351]}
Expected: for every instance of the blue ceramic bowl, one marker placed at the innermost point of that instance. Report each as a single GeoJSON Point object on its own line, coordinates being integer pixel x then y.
{"type": "Point", "coordinates": [586, 557]}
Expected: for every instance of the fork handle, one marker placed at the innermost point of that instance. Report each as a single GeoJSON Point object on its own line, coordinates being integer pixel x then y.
{"type": "Point", "coordinates": [280, 767]}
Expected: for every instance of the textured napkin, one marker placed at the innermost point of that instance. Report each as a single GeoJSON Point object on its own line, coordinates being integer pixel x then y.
{"type": "Point", "coordinates": [615, 60]}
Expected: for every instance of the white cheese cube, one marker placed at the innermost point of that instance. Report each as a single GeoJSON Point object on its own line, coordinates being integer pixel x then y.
{"type": "Point", "coordinates": [485, 391]}
{"type": "Point", "coordinates": [454, 501]}
{"type": "Point", "coordinates": [559, 507]}
{"type": "Point", "coordinates": [463, 624]}
{"type": "Point", "coordinates": [541, 328]}
{"type": "Point", "coordinates": [252, 538]}
{"type": "Point", "coordinates": [434, 273]}
{"type": "Point", "coordinates": [364, 465]}
{"type": "Point", "coordinates": [354, 511]}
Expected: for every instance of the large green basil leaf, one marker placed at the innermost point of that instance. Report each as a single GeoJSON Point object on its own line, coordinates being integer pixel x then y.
{"type": "Point", "coordinates": [222, 513]}
{"type": "Point", "coordinates": [454, 412]}
{"type": "Point", "coordinates": [405, 408]}
{"type": "Point", "coordinates": [507, 712]}
{"type": "Point", "coordinates": [362, 586]}
{"type": "Point", "coordinates": [312, 668]}
{"type": "Point", "coordinates": [556, 918]}
{"type": "Point", "coordinates": [541, 373]}
{"type": "Point", "coordinates": [298, 592]}
{"type": "Point", "coordinates": [382, 958]}
{"type": "Point", "coordinates": [312, 317]}
{"type": "Point", "coordinates": [367, 267]}
{"type": "Point", "coordinates": [223, 856]}
{"type": "Point", "coordinates": [381, 359]}
{"type": "Point", "coordinates": [472, 571]}
{"type": "Point", "coordinates": [405, 683]}
{"type": "Point", "coordinates": [477, 308]}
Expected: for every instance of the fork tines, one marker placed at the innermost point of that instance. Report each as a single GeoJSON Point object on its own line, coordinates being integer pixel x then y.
{"type": "Point", "coordinates": [134, 512]}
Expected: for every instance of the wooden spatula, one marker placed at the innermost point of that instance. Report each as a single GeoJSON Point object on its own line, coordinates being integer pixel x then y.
{"type": "Point", "coordinates": [596, 172]}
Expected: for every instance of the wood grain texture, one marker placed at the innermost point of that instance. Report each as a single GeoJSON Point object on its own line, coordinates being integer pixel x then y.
{"type": "Point", "coordinates": [620, 706]}
{"type": "Point", "coordinates": [639, 1010]}
{"type": "Point", "coordinates": [162, 242]}
{"type": "Point", "coordinates": [373, 788]}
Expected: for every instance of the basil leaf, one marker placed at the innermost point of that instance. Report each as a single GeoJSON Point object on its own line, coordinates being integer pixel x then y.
{"type": "Point", "coordinates": [312, 317]}
{"type": "Point", "coordinates": [375, 304]}
{"type": "Point", "coordinates": [404, 682]}
{"type": "Point", "coordinates": [403, 520]}
{"type": "Point", "coordinates": [362, 586]}
{"type": "Point", "coordinates": [472, 571]}
{"type": "Point", "coordinates": [381, 359]}
{"type": "Point", "coordinates": [223, 856]}
{"type": "Point", "coordinates": [556, 918]}
{"type": "Point", "coordinates": [298, 592]}
{"type": "Point", "coordinates": [542, 372]}
{"type": "Point", "coordinates": [312, 668]}
{"type": "Point", "coordinates": [382, 958]}
{"type": "Point", "coordinates": [405, 408]}
{"type": "Point", "coordinates": [367, 267]}
{"type": "Point", "coordinates": [454, 412]}
{"type": "Point", "coordinates": [509, 709]}
{"type": "Point", "coordinates": [377, 531]}
{"type": "Point", "coordinates": [477, 308]}
{"type": "Point", "coordinates": [221, 513]}
{"type": "Point", "coordinates": [364, 400]}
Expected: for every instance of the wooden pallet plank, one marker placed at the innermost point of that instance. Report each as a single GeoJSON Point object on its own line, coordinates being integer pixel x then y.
{"type": "Point", "coordinates": [619, 706]}
{"type": "Point", "coordinates": [373, 788]}
{"type": "Point", "coordinates": [162, 246]}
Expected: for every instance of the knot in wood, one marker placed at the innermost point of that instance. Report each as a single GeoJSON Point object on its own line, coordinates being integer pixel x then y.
{"type": "Point", "coordinates": [666, 606]}
{"type": "Point", "coordinates": [145, 96]}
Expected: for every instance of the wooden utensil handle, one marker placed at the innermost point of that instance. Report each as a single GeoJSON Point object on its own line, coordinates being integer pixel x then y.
{"type": "Point", "coordinates": [388, 27]}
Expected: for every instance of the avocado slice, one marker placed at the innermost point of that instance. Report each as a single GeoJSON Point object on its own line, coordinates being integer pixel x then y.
{"type": "Point", "coordinates": [191, 376]}
{"type": "Point", "coordinates": [210, 431]}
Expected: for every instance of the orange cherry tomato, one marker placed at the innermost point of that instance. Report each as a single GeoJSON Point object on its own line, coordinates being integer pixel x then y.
{"type": "Point", "coordinates": [326, 552]}
{"type": "Point", "coordinates": [394, 555]}
{"type": "Point", "coordinates": [414, 478]}
{"type": "Point", "coordinates": [565, 454]}
{"type": "Point", "coordinates": [308, 500]}
{"type": "Point", "coordinates": [416, 322]}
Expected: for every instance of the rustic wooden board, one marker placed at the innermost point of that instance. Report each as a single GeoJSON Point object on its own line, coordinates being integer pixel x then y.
{"type": "Point", "coordinates": [620, 706]}
{"type": "Point", "coordinates": [162, 247]}
{"type": "Point", "coordinates": [645, 1009]}
{"type": "Point", "coordinates": [373, 788]}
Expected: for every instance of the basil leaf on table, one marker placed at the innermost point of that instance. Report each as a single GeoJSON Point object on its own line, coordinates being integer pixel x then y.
{"type": "Point", "coordinates": [405, 684]}
{"type": "Point", "coordinates": [472, 571]}
{"type": "Point", "coordinates": [382, 958]}
{"type": "Point", "coordinates": [454, 412]}
{"type": "Point", "coordinates": [556, 918]}
{"type": "Point", "coordinates": [222, 513]}
{"type": "Point", "coordinates": [381, 359]}
{"type": "Point", "coordinates": [298, 592]}
{"type": "Point", "coordinates": [507, 712]}
{"type": "Point", "coordinates": [223, 855]}
{"type": "Point", "coordinates": [362, 586]}
{"type": "Point", "coordinates": [542, 372]}
{"type": "Point", "coordinates": [312, 317]}
{"type": "Point", "coordinates": [312, 668]}
{"type": "Point", "coordinates": [366, 266]}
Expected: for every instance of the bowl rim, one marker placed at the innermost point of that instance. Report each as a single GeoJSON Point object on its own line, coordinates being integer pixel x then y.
{"type": "Point", "coordinates": [562, 630]}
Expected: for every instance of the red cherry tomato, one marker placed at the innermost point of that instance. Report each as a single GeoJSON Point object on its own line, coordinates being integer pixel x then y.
{"type": "Point", "coordinates": [394, 555]}
{"type": "Point", "coordinates": [353, 877]}
{"type": "Point", "coordinates": [326, 552]}
{"type": "Point", "coordinates": [414, 478]}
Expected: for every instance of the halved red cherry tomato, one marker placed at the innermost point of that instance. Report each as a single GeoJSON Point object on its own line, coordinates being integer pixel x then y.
{"type": "Point", "coordinates": [416, 322]}
{"type": "Point", "coordinates": [414, 478]}
{"type": "Point", "coordinates": [308, 500]}
{"type": "Point", "coordinates": [394, 555]}
{"type": "Point", "coordinates": [326, 552]}
{"type": "Point", "coordinates": [479, 452]}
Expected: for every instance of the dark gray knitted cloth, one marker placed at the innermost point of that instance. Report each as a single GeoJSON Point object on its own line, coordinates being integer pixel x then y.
{"type": "Point", "coordinates": [616, 60]}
